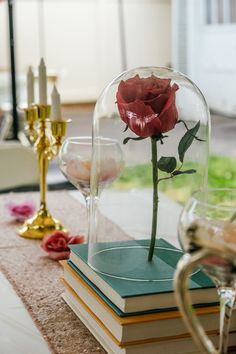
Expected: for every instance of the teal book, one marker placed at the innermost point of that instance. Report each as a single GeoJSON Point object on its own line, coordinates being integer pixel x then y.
{"type": "Point", "coordinates": [137, 296]}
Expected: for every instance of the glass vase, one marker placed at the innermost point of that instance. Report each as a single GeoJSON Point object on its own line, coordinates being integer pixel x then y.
{"type": "Point", "coordinates": [160, 120]}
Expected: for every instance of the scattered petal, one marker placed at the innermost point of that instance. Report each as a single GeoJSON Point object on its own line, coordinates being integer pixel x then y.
{"type": "Point", "coordinates": [21, 211]}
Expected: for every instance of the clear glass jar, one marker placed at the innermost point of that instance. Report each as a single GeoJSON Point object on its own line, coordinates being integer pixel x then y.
{"type": "Point", "coordinates": [165, 160]}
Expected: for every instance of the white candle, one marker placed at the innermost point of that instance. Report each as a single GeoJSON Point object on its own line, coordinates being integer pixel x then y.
{"type": "Point", "coordinates": [30, 87]}
{"type": "Point", "coordinates": [42, 83]}
{"type": "Point", "coordinates": [56, 105]}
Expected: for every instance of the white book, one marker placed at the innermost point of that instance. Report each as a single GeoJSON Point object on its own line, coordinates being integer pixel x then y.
{"type": "Point", "coordinates": [145, 327]}
{"type": "Point", "coordinates": [175, 346]}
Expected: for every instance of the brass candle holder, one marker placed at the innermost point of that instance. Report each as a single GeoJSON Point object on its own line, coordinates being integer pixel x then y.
{"type": "Point", "coordinates": [47, 139]}
{"type": "Point", "coordinates": [31, 116]}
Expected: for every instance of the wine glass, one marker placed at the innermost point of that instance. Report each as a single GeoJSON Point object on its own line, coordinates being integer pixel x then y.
{"type": "Point", "coordinates": [207, 231]}
{"type": "Point", "coordinates": [75, 162]}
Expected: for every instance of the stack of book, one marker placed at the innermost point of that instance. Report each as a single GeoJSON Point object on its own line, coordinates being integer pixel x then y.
{"type": "Point", "coordinates": [130, 317]}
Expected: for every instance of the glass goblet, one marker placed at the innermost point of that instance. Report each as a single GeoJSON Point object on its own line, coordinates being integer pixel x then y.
{"type": "Point", "coordinates": [207, 232]}
{"type": "Point", "coordinates": [75, 162]}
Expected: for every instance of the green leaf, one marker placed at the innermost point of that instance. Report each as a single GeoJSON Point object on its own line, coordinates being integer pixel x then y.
{"type": "Point", "coordinates": [187, 140]}
{"type": "Point", "coordinates": [125, 141]}
{"type": "Point", "coordinates": [167, 164]}
{"type": "Point", "coordinates": [178, 172]}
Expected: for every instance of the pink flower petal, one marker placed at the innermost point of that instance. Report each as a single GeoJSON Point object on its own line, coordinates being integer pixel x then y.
{"type": "Point", "coordinates": [58, 256]}
{"type": "Point", "coordinates": [76, 239]}
{"type": "Point", "coordinates": [21, 211]}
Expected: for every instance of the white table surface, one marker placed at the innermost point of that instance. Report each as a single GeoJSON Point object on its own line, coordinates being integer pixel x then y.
{"type": "Point", "coordinates": [18, 333]}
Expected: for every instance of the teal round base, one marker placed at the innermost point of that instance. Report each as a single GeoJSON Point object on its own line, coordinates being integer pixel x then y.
{"type": "Point", "coordinates": [131, 263]}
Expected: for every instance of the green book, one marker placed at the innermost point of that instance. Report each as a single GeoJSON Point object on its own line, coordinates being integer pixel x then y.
{"type": "Point", "coordinates": [137, 296]}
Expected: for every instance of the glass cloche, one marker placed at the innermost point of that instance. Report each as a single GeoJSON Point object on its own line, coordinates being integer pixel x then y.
{"type": "Point", "coordinates": [149, 154]}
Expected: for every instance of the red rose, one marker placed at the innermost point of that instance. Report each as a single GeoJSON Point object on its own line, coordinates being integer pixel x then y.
{"type": "Point", "coordinates": [57, 241]}
{"type": "Point", "coordinates": [56, 244]}
{"type": "Point", "coordinates": [147, 105]}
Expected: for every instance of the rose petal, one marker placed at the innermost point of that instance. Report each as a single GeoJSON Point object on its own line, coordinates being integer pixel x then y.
{"type": "Point", "coordinates": [79, 170]}
{"type": "Point", "coordinates": [135, 88]}
{"type": "Point", "coordinates": [169, 114]}
{"type": "Point", "coordinates": [57, 256]}
{"type": "Point", "coordinates": [76, 239]}
{"type": "Point", "coordinates": [21, 211]}
{"type": "Point", "coordinates": [110, 169]}
{"type": "Point", "coordinates": [154, 81]}
{"type": "Point", "coordinates": [126, 93]}
{"type": "Point", "coordinates": [140, 119]}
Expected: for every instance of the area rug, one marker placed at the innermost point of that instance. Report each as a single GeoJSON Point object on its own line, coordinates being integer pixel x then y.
{"type": "Point", "coordinates": [35, 278]}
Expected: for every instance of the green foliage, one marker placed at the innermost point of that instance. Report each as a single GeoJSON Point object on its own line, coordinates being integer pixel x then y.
{"type": "Point", "coordinates": [138, 176]}
{"type": "Point", "coordinates": [222, 174]}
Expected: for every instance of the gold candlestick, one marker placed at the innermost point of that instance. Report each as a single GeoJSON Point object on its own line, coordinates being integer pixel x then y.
{"type": "Point", "coordinates": [31, 116]}
{"type": "Point", "coordinates": [47, 143]}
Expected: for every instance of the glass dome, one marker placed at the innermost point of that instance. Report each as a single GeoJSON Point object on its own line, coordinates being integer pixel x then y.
{"type": "Point", "coordinates": [156, 122]}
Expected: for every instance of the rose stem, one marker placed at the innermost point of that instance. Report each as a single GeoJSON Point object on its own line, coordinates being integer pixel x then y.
{"type": "Point", "coordinates": [233, 217]}
{"type": "Point", "coordinates": [154, 199]}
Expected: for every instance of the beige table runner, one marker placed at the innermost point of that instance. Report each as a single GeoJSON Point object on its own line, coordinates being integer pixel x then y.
{"type": "Point", "coordinates": [35, 278]}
